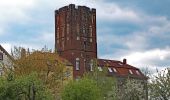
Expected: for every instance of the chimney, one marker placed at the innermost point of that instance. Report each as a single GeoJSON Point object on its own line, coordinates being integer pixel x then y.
{"type": "Point", "coordinates": [124, 61]}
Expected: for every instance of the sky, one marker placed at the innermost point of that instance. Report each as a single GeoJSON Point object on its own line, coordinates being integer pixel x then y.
{"type": "Point", "coordinates": [138, 30]}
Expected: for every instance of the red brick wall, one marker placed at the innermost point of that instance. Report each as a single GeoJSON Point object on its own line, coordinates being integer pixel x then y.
{"type": "Point", "coordinates": [75, 35]}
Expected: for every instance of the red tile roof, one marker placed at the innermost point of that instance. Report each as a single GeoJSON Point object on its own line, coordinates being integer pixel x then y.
{"type": "Point", "coordinates": [122, 69]}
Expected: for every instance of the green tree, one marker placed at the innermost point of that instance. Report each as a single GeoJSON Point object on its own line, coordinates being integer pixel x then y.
{"type": "Point", "coordinates": [159, 87]}
{"type": "Point", "coordinates": [49, 67]}
{"type": "Point", "coordinates": [106, 84]}
{"type": "Point", "coordinates": [26, 87]}
{"type": "Point", "coordinates": [83, 89]}
{"type": "Point", "coordinates": [131, 89]}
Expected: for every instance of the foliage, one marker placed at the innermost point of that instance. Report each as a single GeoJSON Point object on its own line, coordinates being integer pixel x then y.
{"type": "Point", "coordinates": [83, 89]}
{"type": "Point", "coordinates": [107, 85]}
{"type": "Point", "coordinates": [27, 87]}
{"type": "Point", "coordinates": [131, 89]}
{"type": "Point", "coordinates": [49, 66]}
{"type": "Point", "coordinates": [160, 86]}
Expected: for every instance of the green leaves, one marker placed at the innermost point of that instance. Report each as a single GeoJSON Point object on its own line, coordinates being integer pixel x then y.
{"type": "Point", "coordinates": [83, 89]}
{"type": "Point", "coordinates": [27, 87]}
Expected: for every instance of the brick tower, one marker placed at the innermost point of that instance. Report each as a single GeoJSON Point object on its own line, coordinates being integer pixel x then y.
{"type": "Point", "coordinates": [75, 36]}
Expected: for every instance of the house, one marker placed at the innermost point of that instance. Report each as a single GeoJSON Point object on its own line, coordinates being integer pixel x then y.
{"type": "Point", "coordinates": [6, 60]}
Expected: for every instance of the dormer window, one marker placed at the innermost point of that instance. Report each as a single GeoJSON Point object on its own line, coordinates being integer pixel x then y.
{"type": "Point", "coordinates": [137, 72]}
{"type": "Point", "coordinates": [110, 70]}
{"type": "Point", "coordinates": [130, 71]}
{"type": "Point", "coordinates": [100, 69]}
{"type": "Point", "coordinates": [114, 69]}
{"type": "Point", "coordinates": [120, 64]}
{"type": "Point", "coordinates": [1, 56]}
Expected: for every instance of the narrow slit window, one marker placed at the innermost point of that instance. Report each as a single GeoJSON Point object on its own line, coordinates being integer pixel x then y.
{"type": "Point", "coordinates": [77, 64]}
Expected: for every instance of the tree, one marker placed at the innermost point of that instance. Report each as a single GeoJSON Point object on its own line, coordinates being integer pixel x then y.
{"type": "Point", "coordinates": [106, 84]}
{"type": "Point", "coordinates": [27, 87]}
{"type": "Point", "coordinates": [49, 66]}
{"type": "Point", "coordinates": [131, 89]}
{"type": "Point", "coordinates": [159, 88]}
{"type": "Point", "coordinates": [83, 89]}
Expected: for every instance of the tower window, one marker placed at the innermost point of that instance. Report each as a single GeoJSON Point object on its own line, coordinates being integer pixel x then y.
{"type": "Point", "coordinates": [68, 29]}
{"type": "Point", "coordinates": [90, 34]}
{"type": "Point", "coordinates": [77, 64]}
{"type": "Point", "coordinates": [78, 38]}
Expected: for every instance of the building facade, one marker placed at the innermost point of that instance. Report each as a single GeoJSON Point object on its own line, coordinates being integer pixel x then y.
{"type": "Point", "coordinates": [75, 40]}
{"type": "Point", "coordinates": [75, 36]}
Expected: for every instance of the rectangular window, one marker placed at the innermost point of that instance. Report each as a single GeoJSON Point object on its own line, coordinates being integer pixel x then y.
{"type": "Point", "coordinates": [77, 64]}
{"type": "Point", "coordinates": [78, 32]}
{"type": "Point", "coordinates": [1, 56]}
{"type": "Point", "coordinates": [90, 34]}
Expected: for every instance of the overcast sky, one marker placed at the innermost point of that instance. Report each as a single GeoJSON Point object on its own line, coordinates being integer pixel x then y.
{"type": "Point", "coordinates": [138, 30]}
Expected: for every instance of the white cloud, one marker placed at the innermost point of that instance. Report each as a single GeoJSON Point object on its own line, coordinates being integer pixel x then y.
{"type": "Point", "coordinates": [148, 58]}
{"type": "Point", "coordinates": [113, 12]}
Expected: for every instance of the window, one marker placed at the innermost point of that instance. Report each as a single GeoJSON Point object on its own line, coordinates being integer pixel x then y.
{"type": "Point", "coordinates": [130, 71]}
{"type": "Point", "coordinates": [78, 38]}
{"type": "Point", "coordinates": [100, 69]}
{"type": "Point", "coordinates": [1, 56]}
{"type": "Point", "coordinates": [78, 32]}
{"type": "Point", "coordinates": [63, 32]}
{"type": "Point", "coordinates": [92, 19]}
{"type": "Point", "coordinates": [68, 29]}
{"type": "Point", "coordinates": [114, 69]}
{"type": "Point", "coordinates": [77, 64]}
{"type": "Point", "coordinates": [137, 72]}
{"type": "Point", "coordinates": [110, 70]}
{"type": "Point", "coordinates": [90, 34]}
{"type": "Point", "coordinates": [120, 63]}
{"type": "Point", "coordinates": [91, 65]}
